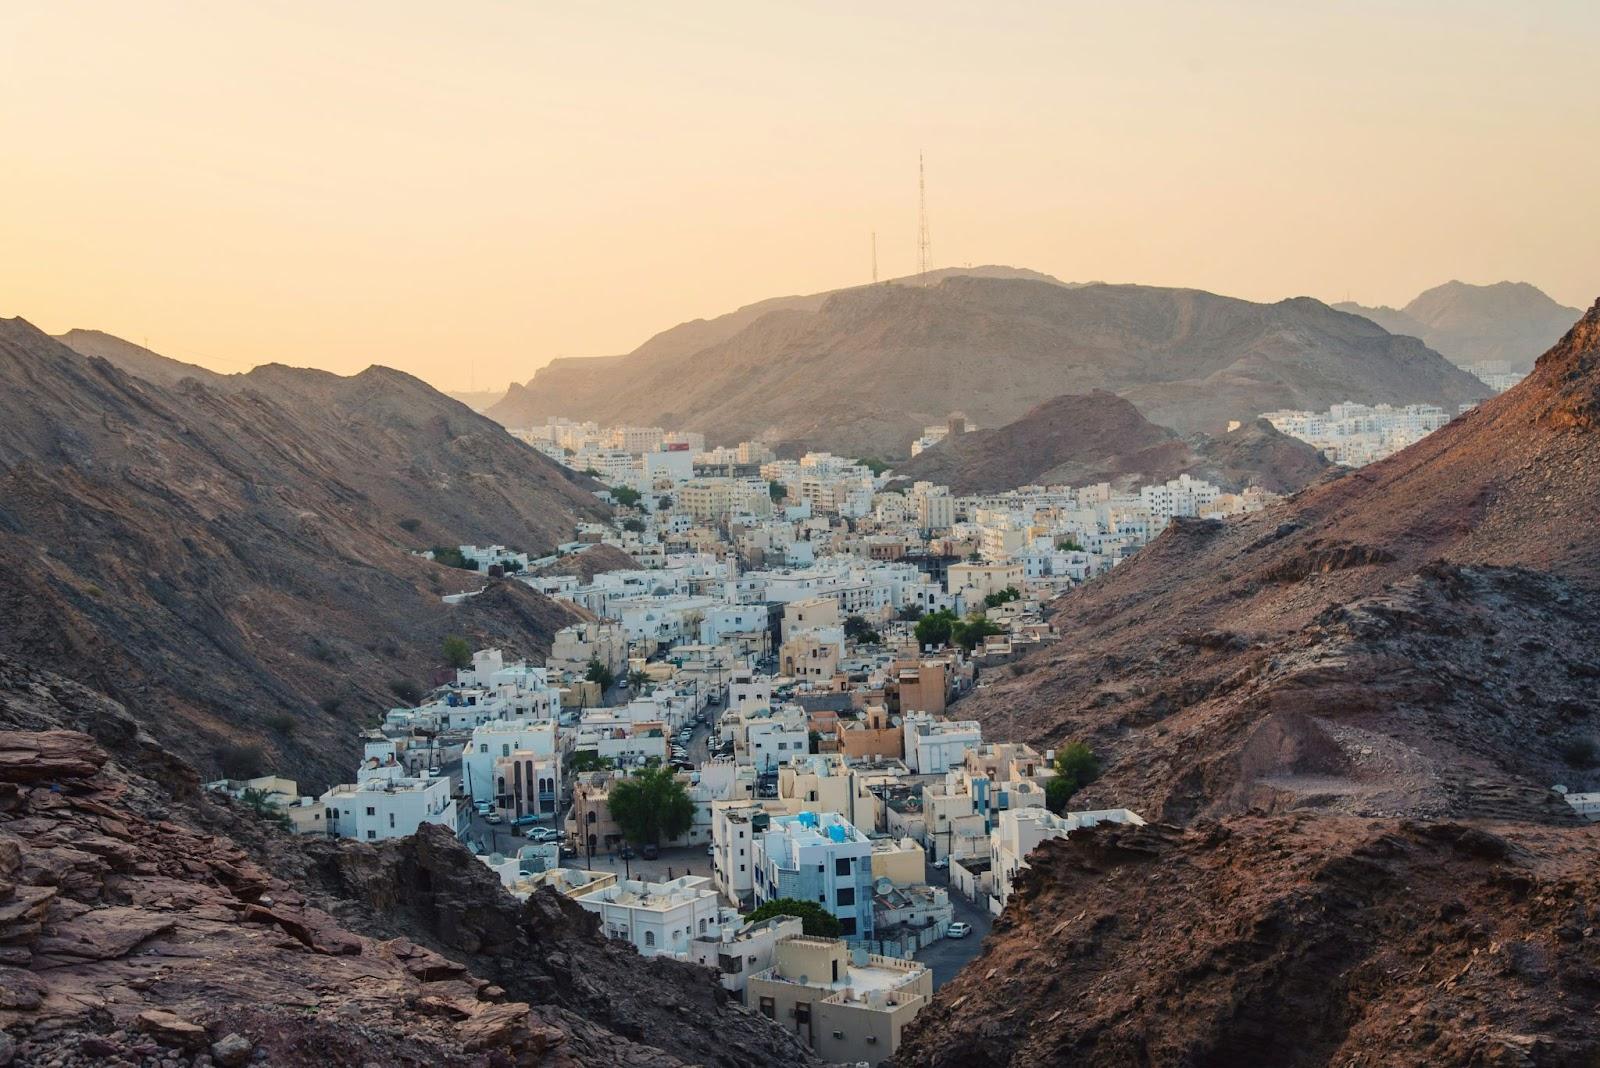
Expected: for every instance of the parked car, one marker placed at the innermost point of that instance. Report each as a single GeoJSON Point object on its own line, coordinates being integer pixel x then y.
{"type": "Point", "coordinates": [942, 863]}
{"type": "Point", "coordinates": [650, 852]}
{"type": "Point", "coordinates": [626, 853]}
{"type": "Point", "coordinates": [711, 849]}
{"type": "Point", "coordinates": [543, 834]}
{"type": "Point", "coordinates": [494, 817]}
{"type": "Point", "coordinates": [958, 930]}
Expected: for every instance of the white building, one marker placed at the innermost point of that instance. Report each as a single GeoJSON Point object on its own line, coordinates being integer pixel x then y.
{"type": "Point", "coordinates": [740, 953]}
{"type": "Point", "coordinates": [658, 917]}
{"type": "Point", "coordinates": [494, 741]}
{"type": "Point", "coordinates": [935, 745]}
{"type": "Point", "coordinates": [819, 857]}
{"type": "Point", "coordinates": [388, 808]}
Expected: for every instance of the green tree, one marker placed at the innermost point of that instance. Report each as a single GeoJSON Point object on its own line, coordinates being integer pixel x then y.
{"type": "Point", "coordinates": [588, 760]}
{"type": "Point", "coordinates": [265, 805]}
{"type": "Point", "coordinates": [1000, 597]}
{"type": "Point", "coordinates": [1076, 767]}
{"type": "Point", "coordinates": [638, 680]}
{"type": "Point", "coordinates": [777, 491]}
{"type": "Point", "coordinates": [450, 556]}
{"type": "Point", "coordinates": [877, 467]}
{"type": "Point", "coordinates": [635, 525]}
{"type": "Point", "coordinates": [968, 632]}
{"type": "Point", "coordinates": [934, 628]}
{"type": "Point", "coordinates": [626, 496]}
{"type": "Point", "coordinates": [598, 672]}
{"type": "Point", "coordinates": [457, 653]}
{"type": "Point", "coordinates": [815, 920]}
{"type": "Point", "coordinates": [857, 629]}
{"type": "Point", "coordinates": [651, 806]}
{"type": "Point", "coordinates": [1069, 545]}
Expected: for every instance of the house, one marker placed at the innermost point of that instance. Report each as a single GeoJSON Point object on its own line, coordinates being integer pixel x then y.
{"type": "Point", "coordinates": [657, 917]}
{"type": "Point", "coordinates": [492, 742]}
{"type": "Point", "coordinates": [848, 1005]}
{"type": "Point", "coordinates": [817, 857]}
{"type": "Point", "coordinates": [735, 826]}
{"type": "Point", "coordinates": [381, 808]}
{"type": "Point", "coordinates": [737, 954]}
{"type": "Point", "coordinates": [935, 745]}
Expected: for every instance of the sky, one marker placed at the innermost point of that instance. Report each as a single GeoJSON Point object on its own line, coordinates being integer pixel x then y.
{"type": "Point", "coordinates": [466, 191]}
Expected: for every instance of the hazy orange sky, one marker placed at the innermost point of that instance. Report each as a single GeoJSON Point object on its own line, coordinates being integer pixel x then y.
{"type": "Point", "coordinates": [466, 190]}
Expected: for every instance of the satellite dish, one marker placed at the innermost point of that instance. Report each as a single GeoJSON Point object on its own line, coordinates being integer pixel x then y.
{"type": "Point", "coordinates": [883, 885]}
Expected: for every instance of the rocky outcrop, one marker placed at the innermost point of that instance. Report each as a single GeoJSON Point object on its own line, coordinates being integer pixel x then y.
{"type": "Point", "coordinates": [1298, 941]}
{"type": "Point", "coordinates": [132, 933]}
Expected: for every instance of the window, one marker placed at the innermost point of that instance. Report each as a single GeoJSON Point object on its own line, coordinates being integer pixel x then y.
{"type": "Point", "coordinates": [846, 895]}
{"type": "Point", "coordinates": [702, 925]}
{"type": "Point", "coordinates": [483, 747]}
{"type": "Point", "coordinates": [769, 1009]}
{"type": "Point", "coordinates": [391, 819]}
{"type": "Point", "coordinates": [841, 866]}
{"type": "Point", "coordinates": [847, 925]}
{"type": "Point", "coordinates": [649, 938]}
{"type": "Point", "coordinates": [372, 834]}
{"type": "Point", "coordinates": [872, 1040]}
{"type": "Point", "coordinates": [371, 811]}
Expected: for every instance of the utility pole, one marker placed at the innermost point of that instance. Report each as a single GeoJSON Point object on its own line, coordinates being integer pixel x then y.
{"type": "Point", "coordinates": [924, 244]}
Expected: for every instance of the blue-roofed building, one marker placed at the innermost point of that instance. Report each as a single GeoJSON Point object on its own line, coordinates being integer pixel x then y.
{"type": "Point", "coordinates": [821, 857]}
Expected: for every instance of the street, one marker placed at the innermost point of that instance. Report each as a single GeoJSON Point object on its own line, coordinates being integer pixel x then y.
{"type": "Point", "coordinates": [947, 956]}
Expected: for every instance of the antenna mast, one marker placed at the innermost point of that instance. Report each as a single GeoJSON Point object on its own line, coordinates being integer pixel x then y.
{"type": "Point", "coordinates": [923, 244]}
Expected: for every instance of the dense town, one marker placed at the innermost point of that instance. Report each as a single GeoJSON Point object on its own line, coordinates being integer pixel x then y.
{"type": "Point", "coordinates": [750, 755]}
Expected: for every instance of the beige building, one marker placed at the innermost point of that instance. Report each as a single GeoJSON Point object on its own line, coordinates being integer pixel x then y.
{"type": "Point", "coordinates": [919, 685]}
{"type": "Point", "coordinates": [810, 658]}
{"type": "Point", "coordinates": [977, 581]}
{"type": "Point", "coordinates": [848, 1005]}
{"type": "Point", "coordinates": [874, 735]}
{"type": "Point", "coordinates": [810, 614]}
{"type": "Point", "coordinates": [900, 860]}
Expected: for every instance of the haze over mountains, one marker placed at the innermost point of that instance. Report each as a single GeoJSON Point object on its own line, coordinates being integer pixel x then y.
{"type": "Point", "coordinates": [1099, 437]}
{"type": "Point", "coordinates": [1509, 321]}
{"type": "Point", "coordinates": [1350, 710]}
{"type": "Point", "coordinates": [863, 370]}
{"type": "Point", "coordinates": [229, 555]}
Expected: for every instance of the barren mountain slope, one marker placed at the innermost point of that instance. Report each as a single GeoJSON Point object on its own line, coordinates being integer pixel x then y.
{"type": "Point", "coordinates": [1327, 614]}
{"type": "Point", "coordinates": [145, 923]}
{"type": "Point", "coordinates": [1099, 437]}
{"type": "Point", "coordinates": [1508, 321]}
{"type": "Point", "coordinates": [1347, 712]}
{"type": "Point", "coordinates": [233, 563]}
{"type": "Point", "coordinates": [867, 368]}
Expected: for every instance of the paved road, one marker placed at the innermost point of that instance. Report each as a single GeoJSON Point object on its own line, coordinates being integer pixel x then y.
{"type": "Point", "coordinates": [947, 956]}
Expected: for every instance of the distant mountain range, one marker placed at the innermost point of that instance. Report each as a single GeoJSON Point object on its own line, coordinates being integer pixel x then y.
{"type": "Point", "coordinates": [228, 555]}
{"type": "Point", "coordinates": [1099, 437]}
{"type": "Point", "coordinates": [863, 370]}
{"type": "Point", "coordinates": [1508, 321]}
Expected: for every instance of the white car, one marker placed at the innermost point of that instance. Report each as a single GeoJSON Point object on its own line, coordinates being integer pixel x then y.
{"type": "Point", "coordinates": [543, 834]}
{"type": "Point", "coordinates": [958, 930]}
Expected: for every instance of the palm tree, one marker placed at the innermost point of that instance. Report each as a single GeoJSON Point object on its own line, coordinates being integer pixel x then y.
{"type": "Point", "coordinates": [638, 680]}
{"type": "Point", "coordinates": [265, 805]}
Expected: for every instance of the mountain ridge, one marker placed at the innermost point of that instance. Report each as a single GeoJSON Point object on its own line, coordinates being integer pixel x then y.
{"type": "Point", "coordinates": [866, 368]}
{"type": "Point", "coordinates": [1079, 440]}
{"type": "Point", "coordinates": [224, 560]}
{"type": "Point", "coordinates": [1502, 321]}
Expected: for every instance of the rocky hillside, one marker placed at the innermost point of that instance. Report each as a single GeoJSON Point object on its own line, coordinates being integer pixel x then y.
{"type": "Point", "coordinates": [1294, 940]}
{"type": "Point", "coordinates": [863, 370]}
{"type": "Point", "coordinates": [595, 560]}
{"type": "Point", "coordinates": [144, 923]}
{"type": "Point", "coordinates": [234, 562]}
{"type": "Point", "coordinates": [1508, 321]}
{"type": "Point", "coordinates": [1099, 437]}
{"type": "Point", "coordinates": [1294, 690]}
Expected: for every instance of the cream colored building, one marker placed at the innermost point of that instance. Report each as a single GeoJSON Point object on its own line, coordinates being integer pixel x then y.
{"type": "Point", "coordinates": [848, 1005]}
{"type": "Point", "coordinates": [900, 860]}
